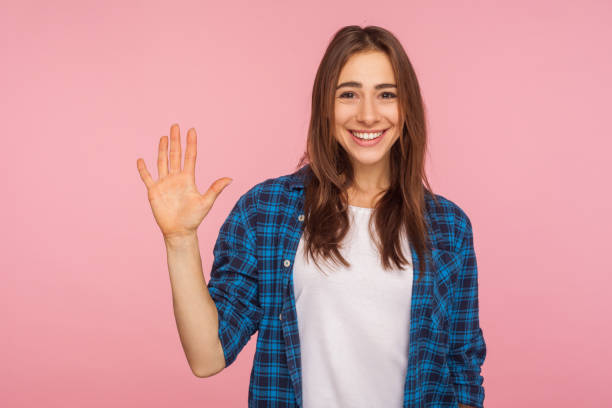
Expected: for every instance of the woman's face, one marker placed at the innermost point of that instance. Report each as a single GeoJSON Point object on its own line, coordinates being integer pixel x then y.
{"type": "Point", "coordinates": [365, 105]}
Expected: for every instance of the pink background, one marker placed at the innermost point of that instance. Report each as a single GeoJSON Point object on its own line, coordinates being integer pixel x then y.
{"type": "Point", "coordinates": [518, 103]}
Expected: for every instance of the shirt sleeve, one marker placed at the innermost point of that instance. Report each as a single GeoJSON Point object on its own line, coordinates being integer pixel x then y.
{"type": "Point", "coordinates": [233, 283]}
{"type": "Point", "coordinates": [467, 346]}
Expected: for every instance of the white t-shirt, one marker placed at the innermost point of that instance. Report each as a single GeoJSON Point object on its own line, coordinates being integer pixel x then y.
{"type": "Point", "coordinates": [354, 324]}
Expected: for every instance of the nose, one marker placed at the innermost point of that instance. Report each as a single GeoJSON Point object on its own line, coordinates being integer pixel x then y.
{"type": "Point", "coordinates": [368, 112]}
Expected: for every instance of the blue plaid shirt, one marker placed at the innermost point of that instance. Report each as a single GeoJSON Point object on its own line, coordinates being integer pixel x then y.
{"type": "Point", "coordinates": [251, 282]}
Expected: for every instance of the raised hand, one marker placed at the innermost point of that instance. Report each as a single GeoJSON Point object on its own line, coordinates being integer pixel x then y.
{"type": "Point", "coordinates": [177, 205]}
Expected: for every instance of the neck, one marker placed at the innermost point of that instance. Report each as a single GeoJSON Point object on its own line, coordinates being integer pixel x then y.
{"type": "Point", "coordinates": [369, 181]}
{"type": "Point", "coordinates": [371, 178]}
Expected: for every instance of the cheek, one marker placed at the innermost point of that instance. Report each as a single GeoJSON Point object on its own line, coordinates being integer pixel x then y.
{"type": "Point", "coordinates": [342, 113]}
{"type": "Point", "coordinates": [391, 113]}
{"type": "Point", "coordinates": [395, 138]}
{"type": "Point", "coordinates": [339, 135]}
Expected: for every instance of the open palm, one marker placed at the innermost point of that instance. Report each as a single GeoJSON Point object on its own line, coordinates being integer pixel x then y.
{"type": "Point", "coordinates": [177, 205]}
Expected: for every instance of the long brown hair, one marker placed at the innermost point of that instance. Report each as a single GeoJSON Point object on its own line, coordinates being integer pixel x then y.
{"type": "Point", "coordinates": [402, 205]}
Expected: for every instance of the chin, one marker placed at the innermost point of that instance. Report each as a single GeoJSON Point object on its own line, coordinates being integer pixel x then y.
{"type": "Point", "coordinates": [367, 161]}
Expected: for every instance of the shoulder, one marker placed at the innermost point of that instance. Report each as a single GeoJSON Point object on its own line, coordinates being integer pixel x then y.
{"type": "Point", "coordinates": [449, 222]}
{"type": "Point", "coordinates": [270, 191]}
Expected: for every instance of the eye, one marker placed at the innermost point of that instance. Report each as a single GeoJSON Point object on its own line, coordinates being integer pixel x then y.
{"type": "Point", "coordinates": [349, 95]}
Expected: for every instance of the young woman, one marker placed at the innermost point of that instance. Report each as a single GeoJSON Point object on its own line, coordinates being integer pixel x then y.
{"type": "Point", "coordinates": [361, 283]}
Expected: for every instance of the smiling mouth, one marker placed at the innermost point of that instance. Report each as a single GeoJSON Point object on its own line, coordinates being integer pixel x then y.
{"type": "Point", "coordinates": [367, 134]}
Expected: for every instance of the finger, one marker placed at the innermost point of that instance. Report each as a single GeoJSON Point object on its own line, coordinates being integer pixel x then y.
{"type": "Point", "coordinates": [175, 149]}
{"type": "Point", "coordinates": [190, 153]}
{"type": "Point", "coordinates": [162, 157]}
{"type": "Point", "coordinates": [144, 173]}
{"type": "Point", "coordinates": [215, 189]}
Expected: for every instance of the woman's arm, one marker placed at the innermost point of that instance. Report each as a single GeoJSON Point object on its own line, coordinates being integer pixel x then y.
{"type": "Point", "coordinates": [194, 309]}
{"type": "Point", "coordinates": [178, 209]}
{"type": "Point", "coordinates": [467, 346]}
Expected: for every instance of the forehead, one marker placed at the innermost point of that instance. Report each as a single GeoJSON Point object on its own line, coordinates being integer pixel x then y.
{"type": "Point", "coordinates": [370, 67]}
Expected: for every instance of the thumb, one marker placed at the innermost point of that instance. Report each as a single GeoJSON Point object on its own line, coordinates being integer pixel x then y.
{"type": "Point", "coordinates": [215, 189]}
{"type": "Point", "coordinates": [220, 184]}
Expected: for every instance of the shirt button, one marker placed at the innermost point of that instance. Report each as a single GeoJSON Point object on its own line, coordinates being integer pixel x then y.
{"type": "Point", "coordinates": [287, 262]}
{"type": "Point", "coordinates": [280, 316]}
{"type": "Point", "coordinates": [301, 217]}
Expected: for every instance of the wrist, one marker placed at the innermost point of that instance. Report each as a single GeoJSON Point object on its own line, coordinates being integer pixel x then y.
{"type": "Point", "coordinates": [181, 239]}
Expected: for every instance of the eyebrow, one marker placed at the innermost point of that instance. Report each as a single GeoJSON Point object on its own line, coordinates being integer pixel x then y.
{"type": "Point", "coordinates": [358, 85]}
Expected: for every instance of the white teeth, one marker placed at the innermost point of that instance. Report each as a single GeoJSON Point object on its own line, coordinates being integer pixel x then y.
{"type": "Point", "coordinates": [367, 136]}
